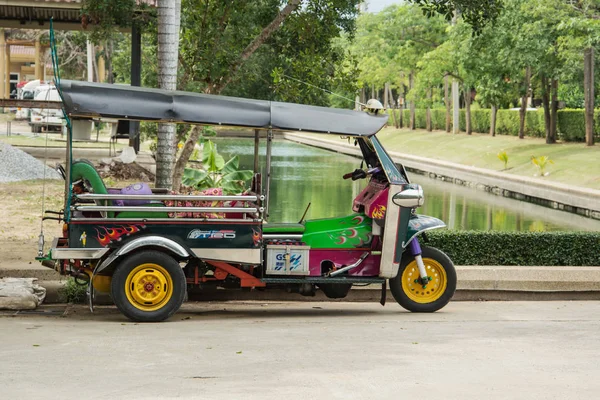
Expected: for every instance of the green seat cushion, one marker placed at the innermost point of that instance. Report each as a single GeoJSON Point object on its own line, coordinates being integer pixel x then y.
{"type": "Point", "coordinates": [143, 214]}
{"type": "Point", "coordinates": [283, 228]}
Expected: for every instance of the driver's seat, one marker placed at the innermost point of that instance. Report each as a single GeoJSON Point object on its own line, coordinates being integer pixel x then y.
{"type": "Point", "coordinates": [283, 228]}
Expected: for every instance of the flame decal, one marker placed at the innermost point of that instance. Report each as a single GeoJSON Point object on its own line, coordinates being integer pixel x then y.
{"type": "Point", "coordinates": [341, 240]}
{"type": "Point", "coordinates": [115, 234]}
{"type": "Point", "coordinates": [256, 237]}
{"type": "Point", "coordinates": [102, 239]}
{"type": "Point", "coordinates": [353, 233]}
{"type": "Point", "coordinates": [378, 212]}
{"type": "Point", "coordinates": [358, 219]}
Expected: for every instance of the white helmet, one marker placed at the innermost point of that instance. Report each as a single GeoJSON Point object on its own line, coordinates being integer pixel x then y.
{"type": "Point", "coordinates": [374, 106]}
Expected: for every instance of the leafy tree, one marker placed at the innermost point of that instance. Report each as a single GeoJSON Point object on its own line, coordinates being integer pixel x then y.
{"type": "Point", "coordinates": [233, 48]}
{"type": "Point", "coordinates": [390, 45]}
{"type": "Point", "coordinates": [476, 13]}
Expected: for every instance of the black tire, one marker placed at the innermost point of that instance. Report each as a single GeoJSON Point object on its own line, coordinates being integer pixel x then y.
{"type": "Point", "coordinates": [125, 278]}
{"type": "Point", "coordinates": [429, 301]}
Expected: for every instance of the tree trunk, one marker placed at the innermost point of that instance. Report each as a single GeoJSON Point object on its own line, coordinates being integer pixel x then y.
{"type": "Point", "coordinates": [168, 50]}
{"type": "Point", "coordinates": [468, 128]}
{"type": "Point", "coordinates": [493, 120]}
{"type": "Point", "coordinates": [546, 105]}
{"type": "Point", "coordinates": [447, 103]}
{"type": "Point", "coordinates": [523, 111]}
{"type": "Point", "coordinates": [95, 64]}
{"type": "Point", "coordinates": [588, 83]}
{"type": "Point", "coordinates": [428, 111]}
{"type": "Point", "coordinates": [186, 153]}
{"type": "Point", "coordinates": [412, 103]}
{"type": "Point", "coordinates": [553, 112]}
{"type": "Point", "coordinates": [386, 101]}
{"type": "Point", "coordinates": [393, 104]}
{"type": "Point", "coordinates": [401, 106]}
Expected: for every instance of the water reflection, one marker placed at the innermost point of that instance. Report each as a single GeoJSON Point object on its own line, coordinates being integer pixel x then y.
{"type": "Point", "coordinates": [303, 174]}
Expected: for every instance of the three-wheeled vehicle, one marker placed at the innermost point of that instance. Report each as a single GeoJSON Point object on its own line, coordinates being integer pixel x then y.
{"type": "Point", "coordinates": [148, 248]}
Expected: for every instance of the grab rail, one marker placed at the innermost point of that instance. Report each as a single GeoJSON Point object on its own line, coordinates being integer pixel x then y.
{"type": "Point", "coordinates": [168, 209]}
{"type": "Point", "coordinates": [179, 197]}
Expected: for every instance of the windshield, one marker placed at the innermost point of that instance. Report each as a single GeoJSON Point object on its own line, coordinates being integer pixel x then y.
{"type": "Point", "coordinates": [395, 173]}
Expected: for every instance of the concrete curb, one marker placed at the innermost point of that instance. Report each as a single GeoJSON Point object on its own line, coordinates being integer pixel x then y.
{"type": "Point", "coordinates": [474, 283]}
{"type": "Point", "coordinates": [556, 195]}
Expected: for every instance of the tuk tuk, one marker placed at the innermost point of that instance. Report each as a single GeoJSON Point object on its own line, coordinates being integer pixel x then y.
{"type": "Point", "coordinates": [147, 249]}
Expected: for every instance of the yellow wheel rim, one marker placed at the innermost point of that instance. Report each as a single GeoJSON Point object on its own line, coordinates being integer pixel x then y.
{"type": "Point", "coordinates": [435, 288]}
{"type": "Point", "coordinates": [149, 287]}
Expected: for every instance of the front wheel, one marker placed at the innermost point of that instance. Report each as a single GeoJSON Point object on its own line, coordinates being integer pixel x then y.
{"type": "Point", "coordinates": [407, 289]}
{"type": "Point", "coordinates": [148, 286]}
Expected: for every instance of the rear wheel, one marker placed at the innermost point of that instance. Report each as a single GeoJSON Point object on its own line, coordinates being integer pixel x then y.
{"type": "Point", "coordinates": [148, 286]}
{"type": "Point", "coordinates": [408, 290]}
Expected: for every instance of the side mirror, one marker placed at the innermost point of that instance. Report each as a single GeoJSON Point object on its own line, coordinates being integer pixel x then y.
{"type": "Point", "coordinates": [410, 196]}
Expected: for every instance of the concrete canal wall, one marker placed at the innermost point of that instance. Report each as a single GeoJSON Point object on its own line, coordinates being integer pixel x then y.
{"type": "Point", "coordinates": [560, 196]}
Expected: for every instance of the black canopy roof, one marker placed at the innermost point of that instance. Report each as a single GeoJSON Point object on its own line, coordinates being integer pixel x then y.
{"type": "Point", "coordinates": [92, 100]}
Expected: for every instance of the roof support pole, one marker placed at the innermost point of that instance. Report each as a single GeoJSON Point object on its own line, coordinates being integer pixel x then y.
{"type": "Point", "coordinates": [38, 60]}
{"type": "Point", "coordinates": [7, 72]}
{"type": "Point", "coordinates": [256, 144]}
{"type": "Point", "coordinates": [268, 172]}
{"type": "Point", "coordinates": [2, 62]}
{"type": "Point", "coordinates": [90, 63]}
{"type": "Point", "coordinates": [136, 80]}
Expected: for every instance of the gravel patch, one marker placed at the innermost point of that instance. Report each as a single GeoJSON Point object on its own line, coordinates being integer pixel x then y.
{"type": "Point", "coordinates": [16, 165]}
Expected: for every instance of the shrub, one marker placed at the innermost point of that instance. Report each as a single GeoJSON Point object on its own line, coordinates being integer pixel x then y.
{"type": "Point", "coordinates": [73, 291]}
{"type": "Point", "coordinates": [518, 248]}
{"type": "Point", "coordinates": [480, 120]}
{"type": "Point", "coordinates": [438, 118]}
{"type": "Point", "coordinates": [571, 125]}
{"type": "Point", "coordinates": [507, 122]}
{"type": "Point", "coordinates": [420, 118]}
{"type": "Point", "coordinates": [406, 118]}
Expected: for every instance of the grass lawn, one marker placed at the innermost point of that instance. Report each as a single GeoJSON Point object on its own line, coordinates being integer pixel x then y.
{"type": "Point", "coordinates": [55, 140]}
{"type": "Point", "coordinates": [574, 163]}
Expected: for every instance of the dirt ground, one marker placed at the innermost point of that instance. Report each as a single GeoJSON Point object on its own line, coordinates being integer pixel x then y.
{"type": "Point", "coordinates": [20, 213]}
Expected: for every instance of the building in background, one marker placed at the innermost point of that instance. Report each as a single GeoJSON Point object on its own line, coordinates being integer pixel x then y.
{"type": "Point", "coordinates": [21, 61]}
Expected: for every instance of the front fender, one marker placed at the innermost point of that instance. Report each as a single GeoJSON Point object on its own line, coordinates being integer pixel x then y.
{"type": "Point", "coordinates": [421, 223]}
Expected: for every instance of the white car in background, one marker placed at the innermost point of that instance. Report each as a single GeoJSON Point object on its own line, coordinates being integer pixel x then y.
{"type": "Point", "coordinates": [43, 118]}
{"type": "Point", "coordinates": [27, 92]}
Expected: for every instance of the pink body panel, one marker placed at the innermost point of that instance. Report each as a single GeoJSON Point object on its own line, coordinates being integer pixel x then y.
{"type": "Point", "coordinates": [369, 267]}
{"type": "Point", "coordinates": [374, 199]}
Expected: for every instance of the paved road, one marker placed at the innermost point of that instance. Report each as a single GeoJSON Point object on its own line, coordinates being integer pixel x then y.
{"type": "Point", "coordinates": [487, 350]}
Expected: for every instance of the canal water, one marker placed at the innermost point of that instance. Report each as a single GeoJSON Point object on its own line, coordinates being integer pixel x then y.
{"type": "Point", "coordinates": [304, 174]}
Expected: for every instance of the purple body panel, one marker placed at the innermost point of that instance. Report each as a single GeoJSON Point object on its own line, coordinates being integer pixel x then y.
{"type": "Point", "coordinates": [415, 247]}
{"type": "Point", "coordinates": [369, 267]}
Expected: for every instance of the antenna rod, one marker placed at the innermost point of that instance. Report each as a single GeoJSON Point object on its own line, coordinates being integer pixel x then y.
{"type": "Point", "coordinates": [325, 90]}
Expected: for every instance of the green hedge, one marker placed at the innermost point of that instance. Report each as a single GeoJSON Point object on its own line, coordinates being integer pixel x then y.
{"type": "Point", "coordinates": [518, 248]}
{"type": "Point", "coordinates": [438, 118]}
{"type": "Point", "coordinates": [571, 123]}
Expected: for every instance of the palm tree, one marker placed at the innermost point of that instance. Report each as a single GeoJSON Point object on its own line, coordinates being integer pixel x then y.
{"type": "Point", "coordinates": [169, 16]}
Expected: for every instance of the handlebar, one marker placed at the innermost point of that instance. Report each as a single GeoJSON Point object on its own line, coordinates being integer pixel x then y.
{"type": "Point", "coordinates": [360, 174]}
